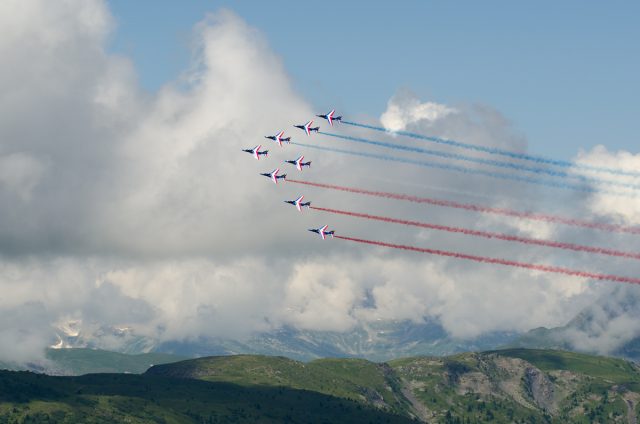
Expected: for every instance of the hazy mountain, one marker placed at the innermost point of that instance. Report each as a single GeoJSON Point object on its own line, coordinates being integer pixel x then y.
{"type": "Point", "coordinates": [610, 326]}
{"type": "Point", "coordinates": [378, 341]}
{"type": "Point", "coordinates": [78, 361]}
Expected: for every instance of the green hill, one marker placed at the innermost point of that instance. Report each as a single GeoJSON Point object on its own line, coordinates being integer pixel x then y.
{"type": "Point", "coordinates": [109, 398]}
{"type": "Point", "coordinates": [514, 385]}
{"type": "Point", "coordinates": [354, 379]}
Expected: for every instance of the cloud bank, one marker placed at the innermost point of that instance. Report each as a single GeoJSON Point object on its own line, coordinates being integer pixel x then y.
{"type": "Point", "coordinates": [128, 215]}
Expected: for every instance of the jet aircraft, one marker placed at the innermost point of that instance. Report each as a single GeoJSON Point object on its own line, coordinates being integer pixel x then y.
{"type": "Point", "coordinates": [329, 117]}
{"type": "Point", "coordinates": [298, 203]}
{"type": "Point", "coordinates": [298, 163]}
{"type": "Point", "coordinates": [278, 138]}
{"type": "Point", "coordinates": [322, 231]}
{"type": "Point", "coordinates": [256, 152]}
{"type": "Point", "coordinates": [307, 127]}
{"type": "Point", "coordinates": [274, 175]}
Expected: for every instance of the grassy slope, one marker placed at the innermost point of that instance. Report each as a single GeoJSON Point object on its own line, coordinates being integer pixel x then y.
{"type": "Point", "coordinates": [478, 387]}
{"type": "Point", "coordinates": [134, 398]}
{"type": "Point", "coordinates": [514, 385]}
{"type": "Point", "coordinates": [610, 369]}
{"type": "Point", "coordinates": [354, 379]}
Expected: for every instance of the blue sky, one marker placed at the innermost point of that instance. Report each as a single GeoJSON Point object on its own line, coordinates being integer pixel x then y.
{"type": "Point", "coordinates": [565, 73]}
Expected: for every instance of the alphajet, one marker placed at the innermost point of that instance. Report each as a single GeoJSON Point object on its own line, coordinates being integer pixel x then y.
{"type": "Point", "coordinates": [298, 163]}
{"type": "Point", "coordinates": [329, 117]}
{"type": "Point", "coordinates": [307, 127]}
{"type": "Point", "coordinates": [298, 203]}
{"type": "Point", "coordinates": [256, 152]}
{"type": "Point", "coordinates": [278, 138]}
{"type": "Point", "coordinates": [274, 175]}
{"type": "Point", "coordinates": [322, 231]}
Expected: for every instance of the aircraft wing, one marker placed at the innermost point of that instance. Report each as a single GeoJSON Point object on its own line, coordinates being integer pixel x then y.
{"type": "Point", "coordinates": [330, 117]}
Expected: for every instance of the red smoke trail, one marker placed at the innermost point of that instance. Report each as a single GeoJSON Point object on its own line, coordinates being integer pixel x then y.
{"type": "Point", "coordinates": [478, 208]}
{"type": "Point", "coordinates": [487, 234]}
{"type": "Point", "coordinates": [484, 259]}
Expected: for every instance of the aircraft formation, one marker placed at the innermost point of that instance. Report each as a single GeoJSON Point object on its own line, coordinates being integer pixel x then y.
{"type": "Point", "coordinates": [523, 168]}
{"type": "Point", "coordinates": [299, 163]}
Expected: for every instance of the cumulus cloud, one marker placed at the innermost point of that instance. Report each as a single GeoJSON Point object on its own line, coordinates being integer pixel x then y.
{"type": "Point", "coordinates": [621, 209]}
{"type": "Point", "coordinates": [318, 297]}
{"type": "Point", "coordinates": [405, 109]}
{"type": "Point", "coordinates": [198, 297]}
{"type": "Point", "coordinates": [130, 216]}
{"type": "Point", "coordinates": [95, 171]}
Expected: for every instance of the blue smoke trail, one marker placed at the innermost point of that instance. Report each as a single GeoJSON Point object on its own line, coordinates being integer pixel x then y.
{"type": "Point", "coordinates": [483, 161]}
{"type": "Point", "coordinates": [496, 151]}
{"type": "Point", "coordinates": [464, 170]}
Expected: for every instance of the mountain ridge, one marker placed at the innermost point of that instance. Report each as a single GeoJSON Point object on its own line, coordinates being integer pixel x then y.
{"type": "Point", "coordinates": [514, 385]}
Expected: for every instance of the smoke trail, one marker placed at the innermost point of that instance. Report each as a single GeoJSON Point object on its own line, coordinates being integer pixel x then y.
{"type": "Point", "coordinates": [482, 161]}
{"type": "Point", "coordinates": [457, 168]}
{"type": "Point", "coordinates": [488, 260]}
{"type": "Point", "coordinates": [487, 234]}
{"type": "Point", "coordinates": [439, 188]}
{"type": "Point", "coordinates": [502, 152]}
{"type": "Point", "coordinates": [477, 208]}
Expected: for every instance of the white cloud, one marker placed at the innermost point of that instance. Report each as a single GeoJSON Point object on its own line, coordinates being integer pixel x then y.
{"type": "Point", "coordinates": [404, 109]}
{"type": "Point", "coordinates": [621, 209]}
{"type": "Point", "coordinates": [320, 297]}
{"type": "Point", "coordinates": [609, 323]}
{"type": "Point", "coordinates": [472, 299]}
{"type": "Point", "coordinates": [198, 297]}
